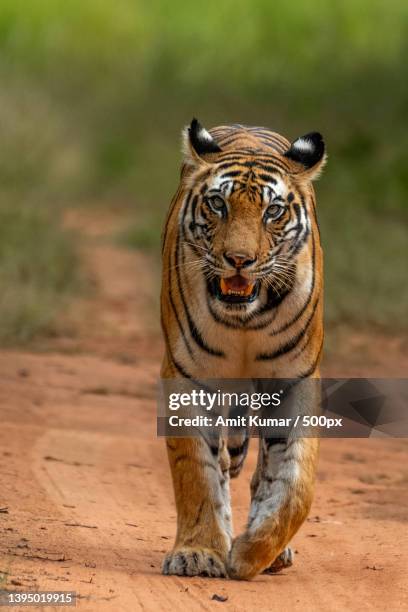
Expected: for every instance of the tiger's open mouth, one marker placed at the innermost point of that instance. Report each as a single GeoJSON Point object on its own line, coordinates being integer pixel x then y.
{"type": "Point", "coordinates": [234, 289]}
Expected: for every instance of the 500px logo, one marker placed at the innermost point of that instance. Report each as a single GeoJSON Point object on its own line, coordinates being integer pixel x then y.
{"type": "Point", "coordinates": [221, 399]}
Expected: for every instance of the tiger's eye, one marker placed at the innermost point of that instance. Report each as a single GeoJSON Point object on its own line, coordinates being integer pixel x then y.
{"type": "Point", "coordinates": [216, 203]}
{"type": "Point", "coordinates": [274, 211]}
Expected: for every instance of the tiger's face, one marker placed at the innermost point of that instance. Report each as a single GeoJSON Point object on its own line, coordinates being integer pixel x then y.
{"type": "Point", "coordinates": [247, 219]}
{"type": "Point", "coordinates": [249, 236]}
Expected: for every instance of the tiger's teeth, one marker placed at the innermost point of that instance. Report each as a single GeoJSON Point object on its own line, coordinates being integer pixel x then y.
{"type": "Point", "coordinates": [226, 290]}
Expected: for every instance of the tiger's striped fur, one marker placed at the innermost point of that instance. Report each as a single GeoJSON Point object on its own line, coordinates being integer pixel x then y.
{"type": "Point", "coordinates": [245, 207]}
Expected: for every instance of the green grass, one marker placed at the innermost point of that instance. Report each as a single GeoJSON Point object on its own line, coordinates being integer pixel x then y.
{"type": "Point", "coordinates": [39, 268]}
{"type": "Point", "coordinates": [95, 94]}
{"type": "Point", "coordinates": [38, 271]}
{"type": "Point", "coordinates": [366, 256]}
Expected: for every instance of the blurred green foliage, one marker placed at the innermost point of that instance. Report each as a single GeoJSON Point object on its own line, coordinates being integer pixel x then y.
{"type": "Point", "coordinates": [38, 271]}
{"type": "Point", "coordinates": [95, 94]}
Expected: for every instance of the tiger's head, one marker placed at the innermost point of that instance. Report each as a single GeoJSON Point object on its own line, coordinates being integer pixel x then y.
{"type": "Point", "coordinates": [249, 212]}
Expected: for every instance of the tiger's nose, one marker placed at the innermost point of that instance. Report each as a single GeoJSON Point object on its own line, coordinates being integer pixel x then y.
{"type": "Point", "coordinates": [239, 260]}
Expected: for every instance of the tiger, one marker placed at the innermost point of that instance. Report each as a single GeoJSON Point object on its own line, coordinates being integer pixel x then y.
{"type": "Point", "coordinates": [242, 297]}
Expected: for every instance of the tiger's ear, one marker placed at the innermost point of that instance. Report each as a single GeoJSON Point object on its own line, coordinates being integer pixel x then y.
{"type": "Point", "coordinates": [197, 142]}
{"type": "Point", "coordinates": [309, 152]}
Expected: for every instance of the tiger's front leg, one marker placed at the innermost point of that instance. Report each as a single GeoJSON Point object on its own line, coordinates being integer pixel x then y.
{"type": "Point", "coordinates": [201, 485]}
{"type": "Point", "coordinates": [282, 492]}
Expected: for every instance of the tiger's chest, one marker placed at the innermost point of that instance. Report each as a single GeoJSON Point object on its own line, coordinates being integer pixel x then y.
{"type": "Point", "coordinates": [240, 353]}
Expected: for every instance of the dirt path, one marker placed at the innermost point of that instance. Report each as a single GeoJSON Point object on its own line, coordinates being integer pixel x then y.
{"type": "Point", "coordinates": [85, 497]}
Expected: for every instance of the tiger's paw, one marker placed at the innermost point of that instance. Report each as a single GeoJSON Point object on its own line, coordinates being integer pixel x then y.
{"type": "Point", "coordinates": [285, 559]}
{"type": "Point", "coordinates": [252, 555]}
{"type": "Point", "coordinates": [245, 558]}
{"type": "Point", "coordinates": [194, 562]}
